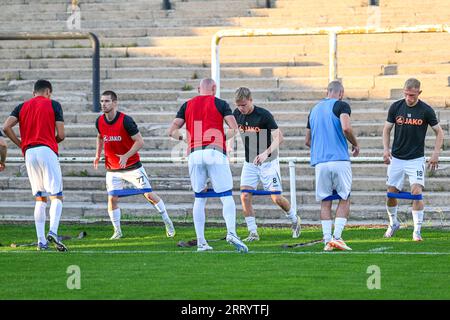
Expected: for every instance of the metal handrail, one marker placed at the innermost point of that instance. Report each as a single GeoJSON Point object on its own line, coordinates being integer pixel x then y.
{"type": "Point", "coordinates": [332, 32]}
{"type": "Point", "coordinates": [166, 5]}
{"type": "Point", "coordinates": [69, 36]}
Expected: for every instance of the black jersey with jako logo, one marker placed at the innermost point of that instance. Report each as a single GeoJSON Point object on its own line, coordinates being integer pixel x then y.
{"type": "Point", "coordinates": [411, 124]}
{"type": "Point", "coordinates": [255, 129]}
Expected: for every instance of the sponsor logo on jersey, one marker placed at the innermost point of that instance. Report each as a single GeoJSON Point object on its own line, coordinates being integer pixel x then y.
{"type": "Point", "coordinates": [401, 120]}
{"type": "Point", "coordinates": [112, 138]}
{"type": "Point", "coordinates": [243, 128]}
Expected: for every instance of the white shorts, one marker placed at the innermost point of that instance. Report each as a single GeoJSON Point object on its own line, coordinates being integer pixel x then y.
{"type": "Point", "coordinates": [137, 177]}
{"type": "Point", "coordinates": [44, 171]}
{"type": "Point", "coordinates": [333, 175]}
{"type": "Point", "coordinates": [212, 164]}
{"type": "Point", "coordinates": [414, 169]}
{"type": "Point", "coordinates": [268, 173]}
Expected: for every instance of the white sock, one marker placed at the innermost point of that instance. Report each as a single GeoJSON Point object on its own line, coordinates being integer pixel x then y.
{"type": "Point", "coordinates": [114, 215]}
{"type": "Point", "coordinates": [392, 213]}
{"type": "Point", "coordinates": [39, 220]}
{"type": "Point", "coordinates": [162, 210]}
{"type": "Point", "coordinates": [199, 219]}
{"type": "Point", "coordinates": [339, 224]}
{"type": "Point", "coordinates": [251, 224]}
{"type": "Point", "coordinates": [229, 213]}
{"type": "Point", "coordinates": [292, 215]}
{"type": "Point", "coordinates": [326, 229]}
{"type": "Point", "coordinates": [418, 219]}
{"type": "Point", "coordinates": [55, 214]}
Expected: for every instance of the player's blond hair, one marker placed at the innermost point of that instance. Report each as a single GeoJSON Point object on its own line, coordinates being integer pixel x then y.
{"type": "Point", "coordinates": [242, 93]}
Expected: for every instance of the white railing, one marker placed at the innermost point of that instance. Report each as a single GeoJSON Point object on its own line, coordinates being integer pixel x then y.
{"type": "Point", "coordinates": [303, 160]}
{"type": "Point", "coordinates": [332, 32]}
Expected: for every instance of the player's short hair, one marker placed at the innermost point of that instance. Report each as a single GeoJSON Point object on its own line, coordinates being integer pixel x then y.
{"type": "Point", "coordinates": [110, 93]}
{"type": "Point", "coordinates": [335, 86]}
{"type": "Point", "coordinates": [242, 93]}
{"type": "Point", "coordinates": [41, 85]}
{"type": "Point", "coordinates": [412, 83]}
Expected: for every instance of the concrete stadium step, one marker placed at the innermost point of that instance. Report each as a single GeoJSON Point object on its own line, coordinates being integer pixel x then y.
{"type": "Point", "coordinates": [173, 106]}
{"type": "Point", "coordinates": [188, 84]}
{"type": "Point", "coordinates": [289, 129]}
{"type": "Point", "coordinates": [52, 17]}
{"type": "Point", "coordinates": [319, 3]}
{"type": "Point", "coordinates": [233, 59]}
{"type": "Point", "coordinates": [162, 22]}
{"type": "Point", "coordinates": [85, 7]}
{"type": "Point", "coordinates": [358, 11]}
{"type": "Point", "coordinates": [314, 20]}
{"type": "Point", "coordinates": [167, 117]}
{"type": "Point", "coordinates": [427, 80]}
{"type": "Point", "coordinates": [423, 69]}
{"type": "Point", "coordinates": [217, 5]}
{"type": "Point", "coordinates": [147, 17]}
{"type": "Point", "coordinates": [261, 94]}
{"type": "Point", "coordinates": [100, 2]}
{"type": "Point", "coordinates": [146, 31]}
{"type": "Point", "coordinates": [284, 95]}
{"type": "Point", "coordinates": [150, 79]}
{"type": "Point", "coordinates": [178, 8]}
{"type": "Point", "coordinates": [274, 106]}
{"type": "Point", "coordinates": [175, 196]}
{"type": "Point", "coordinates": [280, 116]}
{"type": "Point", "coordinates": [159, 143]}
{"type": "Point", "coordinates": [344, 19]}
{"type": "Point", "coordinates": [270, 50]}
{"type": "Point", "coordinates": [92, 212]}
{"type": "Point", "coordinates": [314, 50]}
{"type": "Point", "coordinates": [227, 70]}
{"type": "Point", "coordinates": [284, 152]}
{"type": "Point", "coordinates": [160, 171]}
{"type": "Point", "coordinates": [309, 44]}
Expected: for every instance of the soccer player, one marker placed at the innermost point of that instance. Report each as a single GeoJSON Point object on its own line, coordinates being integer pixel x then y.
{"type": "Point", "coordinates": [204, 116]}
{"type": "Point", "coordinates": [328, 129]}
{"type": "Point", "coordinates": [261, 137]}
{"type": "Point", "coordinates": [411, 118]}
{"type": "Point", "coordinates": [119, 135]}
{"type": "Point", "coordinates": [39, 118]}
{"type": "Point", "coordinates": [3, 150]}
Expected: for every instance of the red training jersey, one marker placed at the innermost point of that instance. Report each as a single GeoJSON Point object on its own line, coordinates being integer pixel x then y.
{"type": "Point", "coordinates": [116, 140]}
{"type": "Point", "coordinates": [37, 118]}
{"type": "Point", "coordinates": [204, 121]}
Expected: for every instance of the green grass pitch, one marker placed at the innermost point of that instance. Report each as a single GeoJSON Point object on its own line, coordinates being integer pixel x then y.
{"type": "Point", "coordinates": [147, 265]}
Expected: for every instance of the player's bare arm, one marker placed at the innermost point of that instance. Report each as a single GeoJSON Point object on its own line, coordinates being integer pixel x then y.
{"type": "Point", "coordinates": [277, 139]}
{"type": "Point", "coordinates": [348, 132]}
{"type": "Point", "coordinates": [386, 142]}
{"type": "Point", "coordinates": [8, 126]}
{"type": "Point", "coordinates": [3, 150]}
{"type": "Point", "coordinates": [308, 138]}
{"type": "Point", "coordinates": [60, 133]}
{"type": "Point", "coordinates": [98, 151]}
{"type": "Point", "coordinates": [137, 145]}
{"type": "Point", "coordinates": [434, 159]}
{"type": "Point", "coordinates": [233, 126]}
{"type": "Point", "coordinates": [174, 130]}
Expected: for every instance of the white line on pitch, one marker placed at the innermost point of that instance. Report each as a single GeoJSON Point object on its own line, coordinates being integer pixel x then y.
{"type": "Point", "coordinates": [222, 251]}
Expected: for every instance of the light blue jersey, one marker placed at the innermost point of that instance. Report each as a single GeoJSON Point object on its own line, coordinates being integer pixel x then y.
{"type": "Point", "coordinates": [328, 142]}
